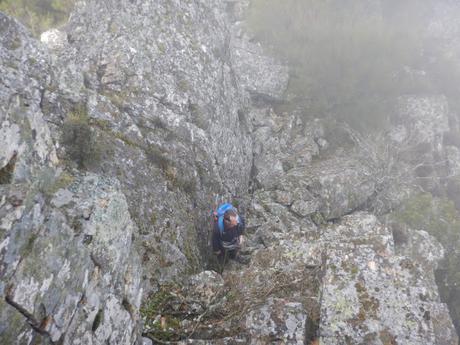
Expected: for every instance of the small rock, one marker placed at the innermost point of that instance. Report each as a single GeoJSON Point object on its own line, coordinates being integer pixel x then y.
{"type": "Point", "coordinates": [63, 197]}
{"type": "Point", "coordinates": [146, 341]}
{"type": "Point", "coordinates": [54, 39]}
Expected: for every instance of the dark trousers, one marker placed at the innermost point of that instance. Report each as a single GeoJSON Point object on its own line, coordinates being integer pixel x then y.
{"type": "Point", "coordinates": [225, 255]}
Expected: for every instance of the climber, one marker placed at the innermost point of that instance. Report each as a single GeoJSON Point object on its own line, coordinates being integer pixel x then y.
{"type": "Point", "coordinates": [227, 236]}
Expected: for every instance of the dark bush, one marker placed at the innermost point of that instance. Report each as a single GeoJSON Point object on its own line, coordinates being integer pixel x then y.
{"type": "Point", "coordinates": [79, 140]}
{"type": "Point", "coordinates": [6, 173]}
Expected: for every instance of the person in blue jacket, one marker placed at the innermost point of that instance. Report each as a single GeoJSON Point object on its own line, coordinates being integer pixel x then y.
{"type": "Point", "coordinates": [228, 232]}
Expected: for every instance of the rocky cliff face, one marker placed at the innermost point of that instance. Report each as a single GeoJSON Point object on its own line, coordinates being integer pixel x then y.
{"type": "Point", "coordinates": [168, 114]}
{"type": "Point", "coordinates": [69, 270]}
{"type": "Point", "coordinates": [117, 134]}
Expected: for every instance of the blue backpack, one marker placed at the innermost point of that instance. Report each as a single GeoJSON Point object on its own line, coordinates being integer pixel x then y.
{"type": "Point", "coordinates": [221, 212]}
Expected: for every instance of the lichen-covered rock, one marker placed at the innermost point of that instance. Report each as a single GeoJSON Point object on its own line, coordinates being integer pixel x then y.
{"type": "Point", "coordinates": [258, 73]}
{"type": "Point", "coordinates": [167, 112]}
{"type": "Point", "coordinates": [262, 75]}
{"type": "Point", "coordinates": [54, 39]}
{"type": "Point", "coordinates": [24, 74]}
{"type": "Point", "coordinates": [333, 187]}
{"type": "Point", "coordinates": [372, 295]}
{"type": "Point", "coordinates": [176, 103]}
{"type": "Point", "coordinates": [423, 249]}
{"type": "Point", "coordinates": [284, 148]}
{"type": "Point", "coordinates": [426, 118]}
{"type": "Point", "coordinates": [282, 143]}
{"type": "Point", "coordinates": [68, 269]}
{"type": "Point", "coordinates": [73, 276]}
{"type": "Point", "coordinates": [277, 320]}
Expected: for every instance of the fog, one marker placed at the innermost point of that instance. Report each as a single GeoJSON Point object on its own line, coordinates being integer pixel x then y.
{"type": "Point", "coordinates": [351, 61]}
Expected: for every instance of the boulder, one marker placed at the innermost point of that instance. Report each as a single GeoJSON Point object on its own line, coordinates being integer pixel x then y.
{"type": "Point", "coordinates": [372, 295]}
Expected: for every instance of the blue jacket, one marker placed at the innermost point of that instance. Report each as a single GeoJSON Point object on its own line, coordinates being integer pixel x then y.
{"type": "Point", "coordinates": [228, 235]}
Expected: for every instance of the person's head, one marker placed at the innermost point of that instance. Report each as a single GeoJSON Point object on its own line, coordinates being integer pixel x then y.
{"type": "Point", "coordinates": [230, 218]}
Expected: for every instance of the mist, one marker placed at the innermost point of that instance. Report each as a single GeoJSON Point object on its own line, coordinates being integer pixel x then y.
{"type": "Point", "coordinates": [350, 60]}
{"type": "Point", "coordinates": [350, 63]}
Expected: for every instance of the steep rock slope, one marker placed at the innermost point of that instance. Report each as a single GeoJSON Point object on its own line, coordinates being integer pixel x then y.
{"type": "Point", "coordinates": [321, 267]}
{"type": "Point", "coordinates": [173, 103]}
{"type": "Point", "coordinates": [144, 95]}
{"type": "Point", "coordinates": [68, 270]}
{"type": "Point", "coordinates": [156, 82]}
{"type": "Point", "coordinates": [339, 278]}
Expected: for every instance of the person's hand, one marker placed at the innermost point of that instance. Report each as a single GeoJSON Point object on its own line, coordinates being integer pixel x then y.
{"type": "Point", "coordinates": [217, 253]}
{"type": "Point", "coordinates": [241, 239]}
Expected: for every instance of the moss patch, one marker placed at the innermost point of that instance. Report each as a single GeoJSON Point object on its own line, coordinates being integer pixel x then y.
{"type": "Point", "coordinates": [98, 320]}
{"type": "Point", "coordinates": [28, 245]}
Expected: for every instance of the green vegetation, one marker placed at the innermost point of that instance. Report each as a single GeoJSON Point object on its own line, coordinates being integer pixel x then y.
{"type": "Point", "coordinates": [27, 247]}
{"type": "Point", "coordinates": [159, 157]}
{"type": "Point", "coordinates": [38, 15]}
{"type": "Point", "coordinates": [63, 181]}
{"type": "Point", "coordinates": [6, 173]}
{"type": "Point", "coordinates": [79, 140]}
{"type": "Point", "coordinates": [437, 216]}
{"type": "Point", "coordinates": [346, 61]}
{"type": "Point", "coordinates": [442, 220]}
{"type": "Point", "coordinates": [156, 313]}
{"type": "Point", "coordinates": [98, 320]}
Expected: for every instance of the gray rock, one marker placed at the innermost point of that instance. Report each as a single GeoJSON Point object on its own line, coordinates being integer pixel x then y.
{"type": "Point", "coordinates": [74, 288]}
{"type": "Point", "coordinates": [147, 341]}
{"type": "Point", "coordinates": [64, 277]}
{"type": "Point", "coordinates": [62, 198]}
{"type": "Point", "coordinates": [277, 319]}
{"type": "Point", "coordinates": [24, 136]}
{"type": "Point", "coordinates": [167, 112]}
{"type": "Point", "coordinates": [305, 208]}
{"type": "Point", "coordinates": [259, 74]}
{"type": "Point", "coordinates": [54, 39]}
{"type": "Point", "coordinates": [338, 185]}
{"type": "Point", "coordinates": [280, 144]}
{"type": "Point", "coordinates": [371, 294]}
{"type": "Point", "coordinates": [427, 118]}
{"type": "Point", "coordinates": [177, 118]}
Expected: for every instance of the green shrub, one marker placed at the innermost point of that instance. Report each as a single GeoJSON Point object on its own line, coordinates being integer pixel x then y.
{"type": "Point", "coordinates": [7, 172]}
{"type": "Point", "coordinates": [159, 157]}
{"type": "Point", "coordinates": [345, 59]}
{"type": "Point", "coordinates": [159, 322]}
{"type": "Point", "coordinates": [79, 140]}
{"type": "Point", "coordinates": [437, 216]}
{"type": "Point", "coordinates": [38, 15]}
{"type": "Point", "coordinates": [442, 220]}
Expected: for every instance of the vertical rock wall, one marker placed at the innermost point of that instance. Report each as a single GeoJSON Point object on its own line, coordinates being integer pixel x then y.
{"type": "Point", "coordinates": [69, 273]}
{"type": "Point", "coordinates": [143, 93]}
{"type": "Point", "coordinates": [159, 89]}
